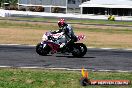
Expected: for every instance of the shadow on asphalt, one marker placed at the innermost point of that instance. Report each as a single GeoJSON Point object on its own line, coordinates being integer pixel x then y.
{"type": "Point", "coordinates": [66, 56]}
{"type": "Point", "coordinates": [45, 55]}
{"type": "Point", "coordinates": [74, 57]}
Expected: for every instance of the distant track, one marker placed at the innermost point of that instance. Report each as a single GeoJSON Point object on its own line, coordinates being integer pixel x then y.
{"type": "Point", "coordinates": [110, 25]}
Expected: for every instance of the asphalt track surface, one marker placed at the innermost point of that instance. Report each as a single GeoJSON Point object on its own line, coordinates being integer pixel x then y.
{"type": "Point", "coordinates": [95, 59]}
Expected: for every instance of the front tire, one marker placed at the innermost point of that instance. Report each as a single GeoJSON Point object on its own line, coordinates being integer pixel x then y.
{"type": "Point", "coordinates": [43, 51]}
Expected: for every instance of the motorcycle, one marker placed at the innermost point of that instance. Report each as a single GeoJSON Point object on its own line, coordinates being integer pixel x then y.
{"type": "Point", "coordinates": [55, 43]}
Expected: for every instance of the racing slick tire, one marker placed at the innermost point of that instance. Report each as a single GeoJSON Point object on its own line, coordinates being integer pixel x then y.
{"type": "Point", "coordinates": [43, 51]}
{"type": "Point", "coordinates": [79, 50]}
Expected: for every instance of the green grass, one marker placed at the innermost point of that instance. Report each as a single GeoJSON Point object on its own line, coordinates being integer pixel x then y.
{"type": "Point", "coordinates": [31, 78]}
{"type": "Point", "coordinates": [109, 31]}
{"type": "Point", "coordinates": [72, 20]}
{"type": "Point", "coordinates": [8, 24]}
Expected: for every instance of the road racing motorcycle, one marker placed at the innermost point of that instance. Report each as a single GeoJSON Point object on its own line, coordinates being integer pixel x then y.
{"type": "Point", "coordinates": [56, 43]}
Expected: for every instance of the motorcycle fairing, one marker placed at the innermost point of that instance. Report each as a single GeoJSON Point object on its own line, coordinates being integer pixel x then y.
{"type": "Point", "coordinates": [54, 47]}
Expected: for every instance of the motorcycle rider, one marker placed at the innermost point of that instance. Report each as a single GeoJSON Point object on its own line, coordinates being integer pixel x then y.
{"type": "Point", "coordinates": [68, 31]}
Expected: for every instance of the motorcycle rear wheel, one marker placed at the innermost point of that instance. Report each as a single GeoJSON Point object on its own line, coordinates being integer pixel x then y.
{"type": "Point", "coordinates": [79, 50]}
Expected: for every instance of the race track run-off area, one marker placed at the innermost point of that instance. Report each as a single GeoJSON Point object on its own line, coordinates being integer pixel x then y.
{"type": "Point", "coordinates": [95, 59]}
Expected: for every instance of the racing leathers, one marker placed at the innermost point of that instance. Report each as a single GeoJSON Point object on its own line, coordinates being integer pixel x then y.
{"type": "Point", "coordinates": [69, 35]}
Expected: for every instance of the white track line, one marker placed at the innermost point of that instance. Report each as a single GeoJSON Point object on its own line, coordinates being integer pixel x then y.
{"type": "Point", "coordinates": [67, 69]}
{"type": "Point", "coordinates": [17, 45]}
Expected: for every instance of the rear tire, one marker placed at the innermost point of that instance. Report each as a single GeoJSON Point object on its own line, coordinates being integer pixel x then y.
{"type": "Point", "coordinates": [83, 48]}
{"type": "Point", "coordinates": [79, 50]}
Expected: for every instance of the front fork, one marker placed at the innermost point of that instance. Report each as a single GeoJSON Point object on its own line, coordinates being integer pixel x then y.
{"type": "Point", "coordinates": [44, 44]}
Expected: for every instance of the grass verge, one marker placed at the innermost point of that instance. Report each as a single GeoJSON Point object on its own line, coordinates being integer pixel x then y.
{"type": "Point", "coordinates": [32, 78]}
{"type": "Point", "coordinates": [86, 21]}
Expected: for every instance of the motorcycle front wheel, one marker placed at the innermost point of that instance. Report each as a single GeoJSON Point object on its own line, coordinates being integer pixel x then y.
{"type": "Point", "coordinates": [43, 51]}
